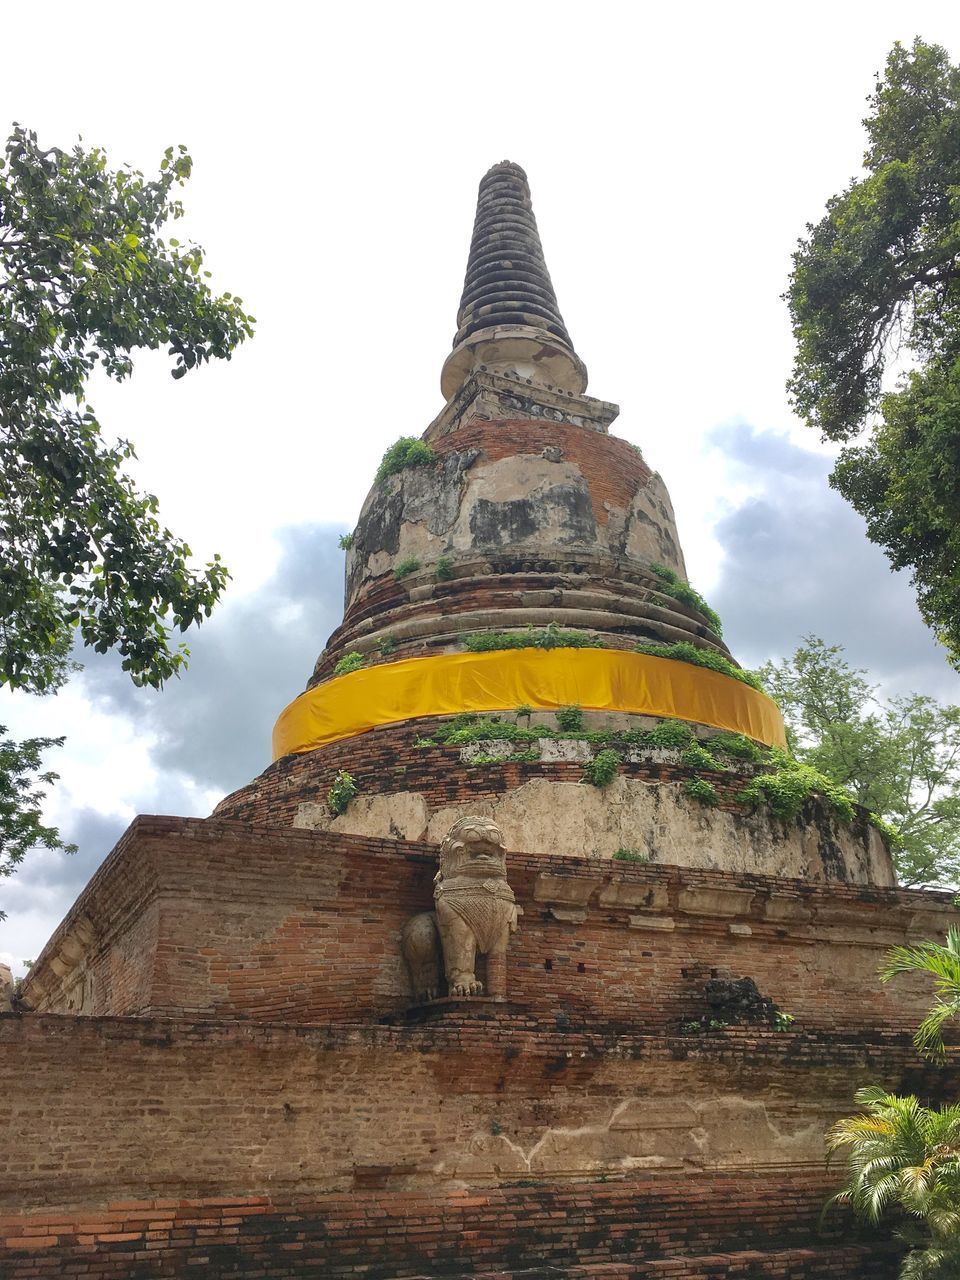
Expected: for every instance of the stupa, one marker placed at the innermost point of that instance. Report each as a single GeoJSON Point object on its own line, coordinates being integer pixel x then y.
{"type": "Point", "coordinates": [605, 1037]}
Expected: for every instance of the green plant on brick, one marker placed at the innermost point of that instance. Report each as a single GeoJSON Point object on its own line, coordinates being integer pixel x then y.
{"type": "Point", "coordinates": [696, 756]}
{"type": "Point", "coordinates": [672, 734]}
{"type": "Point", "coordinates": [602, 769]}
{"type": "Point", "coordinates": [523, 712]}
{"type": "Point", "coordinates": [785, 790]}
{"type": "Point", "coordinates": [549, 637]}
{"type": "Point", "coordinates": [444, 570]}
{"type": "Point", "coordinates": [408, 451]}
{"type": "Point", "coordinates": [631, 855]}
{"type": "Point", "coordinates": [386, 646]}
{"type": "Point", "coordinates": [346, 541]}
{"type": "Point", "coordinates": [405, 567]}
{"type": "Point", "coordinates": [352, 661]}
{"type": "Point", "coordinates": [342, 791]}
{"type": "Point", "coordinates": [570, 719]}
{"type": "Point", "coordinates": [671, 585]}
{"type": "Point", "coordinates": [734, 745]}
{"type": "Point", "coordinates": [702, 790]}
{"type": "Point", "coordinates": [684, 651]}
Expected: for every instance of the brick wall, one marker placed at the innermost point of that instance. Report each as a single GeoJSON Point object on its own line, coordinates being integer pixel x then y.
{"type": "Point", "coordinates": [304, 926]}
{"type": "Point", "coordinates": [708, 1229]}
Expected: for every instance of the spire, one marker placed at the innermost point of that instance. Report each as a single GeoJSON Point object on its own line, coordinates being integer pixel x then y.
{"type": "Point", "coordinates": [509, 320]}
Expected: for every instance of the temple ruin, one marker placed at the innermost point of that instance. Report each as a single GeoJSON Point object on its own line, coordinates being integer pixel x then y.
{"type": "Point", "coordinates": [504, 967]}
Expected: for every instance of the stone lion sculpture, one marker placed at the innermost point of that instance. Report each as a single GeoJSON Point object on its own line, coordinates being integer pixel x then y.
{"type": "Point", "coordinates": [476, 911]}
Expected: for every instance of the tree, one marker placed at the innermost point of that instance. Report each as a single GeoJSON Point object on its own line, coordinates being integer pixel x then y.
{"type": "Point", "coordinates": [942, 962]}
{"type": "Point", "coordinates": [901, 1155]}
{"type": "Point", "coordinates": [898, 758]}
{"type": "Point", "coordinates": [86, 279]}
{"type": "Point", "coordinates": [877, 278]}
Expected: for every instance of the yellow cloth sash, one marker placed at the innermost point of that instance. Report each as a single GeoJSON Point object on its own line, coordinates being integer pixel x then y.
{"type": "Point", "coordinates": [595, 679]}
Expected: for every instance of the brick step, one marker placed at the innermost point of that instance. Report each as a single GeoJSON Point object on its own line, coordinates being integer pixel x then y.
{"type": "Point", "coordinates": [830, 1262]}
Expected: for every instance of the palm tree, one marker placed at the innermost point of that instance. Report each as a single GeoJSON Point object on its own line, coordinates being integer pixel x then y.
{"type": "Point", "coordinates": [943, 963]}
{"type": "Point", "coordinates": [905, 1156]}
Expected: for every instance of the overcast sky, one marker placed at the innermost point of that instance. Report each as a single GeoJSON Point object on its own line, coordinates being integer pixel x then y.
{"type": "Point", "coordinates": [674, 156]}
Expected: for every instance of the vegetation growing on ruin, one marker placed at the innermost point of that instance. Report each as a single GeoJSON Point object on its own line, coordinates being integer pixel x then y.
{"type": "Point", "coordinates": [549, 637]}
{"type": "Point", "coordinates": [349, 662]}
{"type": "Point", "coordinates": [345, 541]}
{"type": "Point", "coordinates": [444, 569]}
{"type": "Point", "coordinates": [684, 651]}
{"type": "Point", "coordinates": [631, 855]}
{"type": "Point", "coordinates": [673, 586]}
{"type": "Point", "coordinates": [342, 791]}
{"type": "Point", "coordinates": [570, 719]}
{"type": "Point", "coordinates": [408, 451]}
{"type": "Point", "coordinates": [405, 567]}
{"type": "Point", "coordinates": [787, 788]}
{"type": "Point", "coordinates": [702, 790]}
{"type": "Point", "coordinates": [602, 769]}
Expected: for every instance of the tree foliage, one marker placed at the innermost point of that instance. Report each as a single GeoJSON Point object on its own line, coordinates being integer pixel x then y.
{"type": "Point", "coordinates": [23, 783]}
{"type": "Point", "coordinates": [899, 758]}
{"type": "Point", "coordinates": [940, 961]}
{"type": "Point", "coordinates": [904, 1156]}
{"type": "Point", "coordinates": [86, 278]}
{"type": "Point", "coordinates": [877, 278]}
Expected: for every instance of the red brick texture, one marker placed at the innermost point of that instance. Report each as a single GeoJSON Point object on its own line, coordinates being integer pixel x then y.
{"type": "Point", "coordinates": [613, 469]}
{"type": "Point", "coordinates": [686, 1229]}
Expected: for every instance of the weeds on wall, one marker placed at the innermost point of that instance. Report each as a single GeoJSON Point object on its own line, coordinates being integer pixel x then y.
{"type": "Point", "coordinates": [352, 661]}
{"type": "Point", "coordinates": [684, 651]}
{"type": "Point", "coordinates": [674, 587]}
{"type": "Point", "coordinates": [549, 637]}
{"type": "Point", "coordinates": [405, 567]}
{"type": "Point", "coordinates": [408, 451]}
{"type": "Point", "coordinates": [345, 541]}
{"type": "Point", "coordinates": [444, 569]}
{"type": "Point", "coordinates": [702, 790]}
{"type": "Point", "coordinates": [570, 719]}
{"type": "Point", "coordinates": [342, 791]}
{"type": "Point", "coordinates": [639, 856]}
{"type": "Point", "coordinates": [602, 769]}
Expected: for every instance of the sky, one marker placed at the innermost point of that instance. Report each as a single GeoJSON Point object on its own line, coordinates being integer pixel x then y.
{"type": "Point", "coordinates": [675, 155]}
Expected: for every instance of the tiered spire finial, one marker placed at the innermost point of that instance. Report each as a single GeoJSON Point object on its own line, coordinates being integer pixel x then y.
{"type": "Point", "coordinates": [509, 319]}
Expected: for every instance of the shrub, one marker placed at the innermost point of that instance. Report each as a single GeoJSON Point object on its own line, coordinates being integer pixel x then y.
{"type": "Point", "coordinates": [386, 646]}
{"type": "Point", "coordinates": [408, 451]}
{"type": "Point", "coordinates": [570, 719]}
{"type": "Point", "coordinates": [602, 769]}
{"type": "Point", "coordinates": [697, 757]}
{"type": "Point", "coordinates": [631, 855]}
{"type": "Point", "coordinates": [735, 745]}
{"type": "Point", "coordinates": [410, 565]}
{"type": "Point", "coordinates": [787, 788]}
{"type": "Point", "coordinates": [523, 712]}
{"type": "Point", "coordinates": [684, 651]}
{"type": "Point", "coordinates": [342, 791]}
{"type": "Point", "coordinates": [669, 733]}
{"type": "Point", "coordinates": [702, 790]}
{"type": "Point", "coordinates": [346, 541]}
{"type": "Point", "coordinates": [444, 569]}
{"type": "Point", "coordinates": [349, 662]}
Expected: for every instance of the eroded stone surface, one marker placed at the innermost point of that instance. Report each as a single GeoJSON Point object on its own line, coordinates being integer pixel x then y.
{"type": "Point", "coordinates": [658, 820]}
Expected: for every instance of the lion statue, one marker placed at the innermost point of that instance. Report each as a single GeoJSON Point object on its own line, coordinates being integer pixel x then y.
{"type": "Point", "coordinates": [476, 911]}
